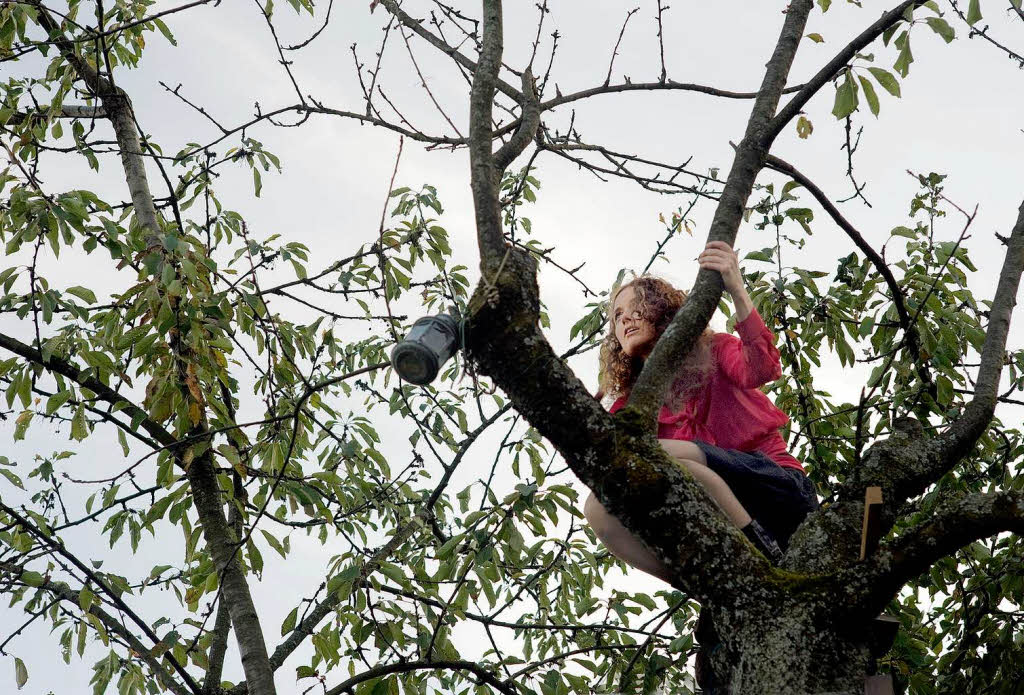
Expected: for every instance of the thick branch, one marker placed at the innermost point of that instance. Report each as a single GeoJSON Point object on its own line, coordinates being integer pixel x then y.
{"type": "Point", "coordinates": [473, 667]}
{"type": "Point", "coordinates": [484, 173]}
{"type": "Point", "coordinates": [969, 519]}
{"type": "Point", "coordinates": [960, 438]}
{"type": "Point", "coordinates": [118, 109]}
{"type": "Point", "coordinates": [66, 111]}
{"type": "Point", "coordinates": [527, 126]}
{"type": "Point", "coordinates": [222, 543]}
{"type": "Point", "coordinates": [679, 337]}
{"type": "Point", "coordinates": [222, 623]}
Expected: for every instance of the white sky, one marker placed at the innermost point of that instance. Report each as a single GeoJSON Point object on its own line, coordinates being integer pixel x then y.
{"type": "Point", "coordinates": [960, 114]}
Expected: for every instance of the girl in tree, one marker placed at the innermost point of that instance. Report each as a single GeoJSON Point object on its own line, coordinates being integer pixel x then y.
{"type": "Point", "coordinates": [715, 421]}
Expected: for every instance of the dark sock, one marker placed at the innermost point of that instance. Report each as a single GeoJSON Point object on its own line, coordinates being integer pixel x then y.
{"type": "Point", "coordinates": [763, 541]}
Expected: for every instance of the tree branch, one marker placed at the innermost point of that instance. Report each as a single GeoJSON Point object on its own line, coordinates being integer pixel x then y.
{"type": "Point", "coordinates": [796, 104]}
{"type": "Point", "coordinates": [117, 107]}
{"type": "Point", "coordinates": [677, 340]}
{"type": "Point", "coordinates": [393, 7]}
{"type": "Point", "coordinates": [528, 124]}
{"type": "Point", "coordinates": [66, 111]}
{"type": "Point", "coordinates": [965, 431]}
{"type": "Point", "coordinates": [971, 518]}
{"type": "Point", "coordinates": [114, 596]}
{"type": "Point", "coordinates": [484, 172]}
{"type": "Point", "coordinates": [223, 544]}
{"type": "Point", "coordinates": [66, 593]}
{"type": "Point", "coordinates": [473, 667]}
{"type": "Point", "coordinates": [905, 468]}
{"type": "Point", "coordinates": [104, 392]}
{"type": "Point", "coordinates": [909, 329]}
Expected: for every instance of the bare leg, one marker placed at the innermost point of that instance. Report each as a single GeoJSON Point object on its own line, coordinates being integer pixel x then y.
{"type": "Point", "coordinates": [620, 542]}
{"type": "Point", "coordinates": [624, 545]}
{"type": "Point", "coordinates": [690, 456]}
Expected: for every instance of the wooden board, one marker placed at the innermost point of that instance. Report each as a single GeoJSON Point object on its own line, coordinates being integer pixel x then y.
{"type": "Point", "coordinates": [871, 530]}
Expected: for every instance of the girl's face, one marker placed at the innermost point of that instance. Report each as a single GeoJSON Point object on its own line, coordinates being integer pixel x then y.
{"type": "Point", "coordinates": [634, 333]}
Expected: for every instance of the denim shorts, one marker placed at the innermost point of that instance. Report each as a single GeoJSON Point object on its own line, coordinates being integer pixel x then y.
{"type": "Point", "coordinates": [777, 496]}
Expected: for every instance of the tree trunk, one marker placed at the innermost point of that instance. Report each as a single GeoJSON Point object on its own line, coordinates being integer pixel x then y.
{"type": "Point", "coordinates": [220, 539]}
{"type": "Point", "coordinates": [789, 649]}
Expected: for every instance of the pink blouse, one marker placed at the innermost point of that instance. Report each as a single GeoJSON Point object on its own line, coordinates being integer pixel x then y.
{"type": "Point", "coordinates": [729, 411]}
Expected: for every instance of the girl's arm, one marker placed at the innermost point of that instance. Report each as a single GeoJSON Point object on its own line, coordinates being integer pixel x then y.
{"type": "Point", "coordinates": [753, 360]}
{"type": "Point", "coordinates": [718, 255]}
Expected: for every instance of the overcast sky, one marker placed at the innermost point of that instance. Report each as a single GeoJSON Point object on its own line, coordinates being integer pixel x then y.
{"type": "Point", "coordinates": [960, 114]}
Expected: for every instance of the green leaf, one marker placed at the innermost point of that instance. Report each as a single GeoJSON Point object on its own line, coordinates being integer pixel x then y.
{"type": "Point", "coordinates": [846, 98]}
{"type": "Point", "coordinates": [762, 255]}
{"type": "Point", "coordinates": [974, 12]}
{"type": "Point", "coordinates": [824, 4]}
{"type": "Point", "coordinates": [905, 58]}
{"type": "Point", "coordinates": [289, 623]}
{"type": "Point", "coordinates": [20, 673]}
{"type": "Point", "coordinates": [56, 401]}
{"type": "Point", "coordinates": [816, 38]}
{"type": "Point", "coordinates": [83, 293]}
{"type": "Point", "coordinates": [32, 578]}
{"type": "Point", "coordinates": [869, 94]}
{"type": "Point", "coordinates": [887, 80]}
{"type": "Point", "coordinates": [79, 427]}
{"type": "Point", "coordinates": [942, 28]}
{"type": "Point", "coordinates": [274, 543]}
{"type": "Point", "coordinates": [165, 31]}
{"type": "Point", "coordinates": [15, 480]}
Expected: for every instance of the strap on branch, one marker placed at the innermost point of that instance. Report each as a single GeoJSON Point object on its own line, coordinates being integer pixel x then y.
{"type": "Point", "coordinates": [871, 530]}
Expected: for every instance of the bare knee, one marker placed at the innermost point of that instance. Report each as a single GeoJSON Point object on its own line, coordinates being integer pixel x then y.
{"type": "Point", "coordinates": [596, 514]}
{"type": "Point", "coordinates": [684, 450]}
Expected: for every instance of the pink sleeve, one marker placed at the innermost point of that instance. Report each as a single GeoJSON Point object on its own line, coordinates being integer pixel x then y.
{"type": "Point", "coordinates": [752, 360]}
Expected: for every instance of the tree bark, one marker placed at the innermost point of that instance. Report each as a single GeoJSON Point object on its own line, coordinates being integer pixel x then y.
{"type": "Point", "coordinates": [201, 474]}
{"type": "Point", "coordinates": [222, 543]}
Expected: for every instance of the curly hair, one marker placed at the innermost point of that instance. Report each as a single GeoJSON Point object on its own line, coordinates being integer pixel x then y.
{"type": "Point", "coordinates": [657, 301]}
